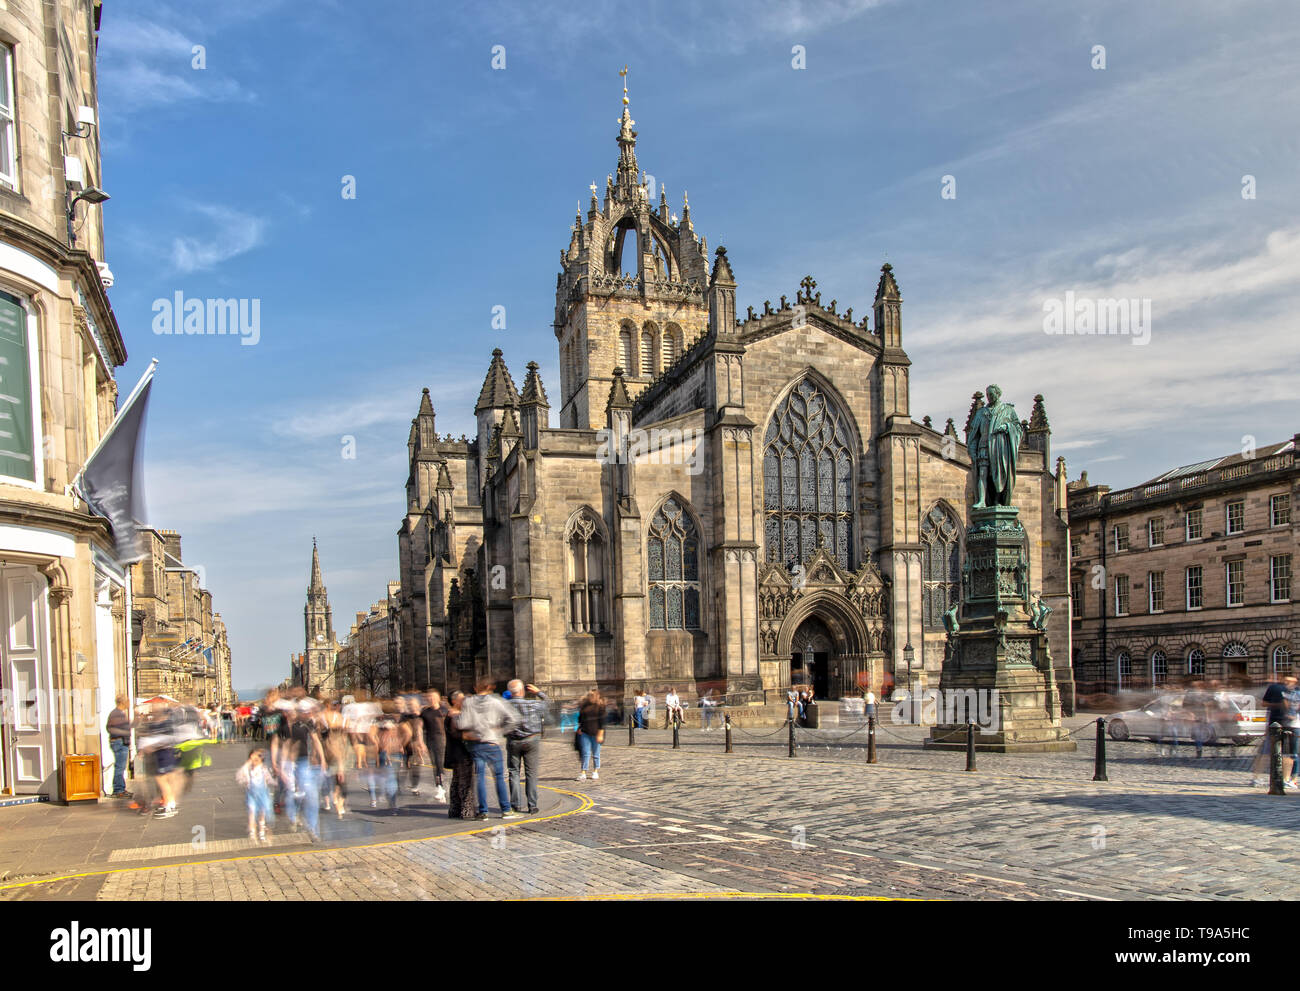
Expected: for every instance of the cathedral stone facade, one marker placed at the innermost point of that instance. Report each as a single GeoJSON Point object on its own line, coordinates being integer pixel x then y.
{"type": "Point", "coordinates": [728, 503]}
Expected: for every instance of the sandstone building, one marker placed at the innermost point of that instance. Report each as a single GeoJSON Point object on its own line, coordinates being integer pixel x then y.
{"type": "Point", "coordinates": [367, 660]}
{"type": "Point", "coordinates": [779, 516]}
{"type": "Point", "coordinates": [64, 601]}
{"type": "Point", "coordinates": [181, 647]}
{"type": "Point", "coordinates": [1189, 575]}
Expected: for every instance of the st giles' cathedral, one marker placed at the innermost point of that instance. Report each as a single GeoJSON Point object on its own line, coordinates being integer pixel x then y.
{"type": "Point", "coordinates": [715, 502]}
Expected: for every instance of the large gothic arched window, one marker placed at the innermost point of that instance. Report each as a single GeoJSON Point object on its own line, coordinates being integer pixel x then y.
{"type": "Point", "coordinates": [586, 575]}
{"type": "Point", "coordinates": [808, 478]}
{"type": "Point", "coordinates": [673, 568]}
{"type": "Point", "coordinates": [940, 577]}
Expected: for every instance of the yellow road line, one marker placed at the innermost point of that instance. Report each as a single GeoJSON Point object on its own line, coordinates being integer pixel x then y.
{"type": "Point", "coordinates": [586, 803]}
{"type": "Point", "coordinates": [707, 895]}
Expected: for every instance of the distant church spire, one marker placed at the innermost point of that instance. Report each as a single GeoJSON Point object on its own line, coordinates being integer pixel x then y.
{"type": "Point", "coordinates": [316, 584]}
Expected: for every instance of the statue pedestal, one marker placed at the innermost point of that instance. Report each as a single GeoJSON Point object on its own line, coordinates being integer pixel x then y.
{"type": "Point", "coordinates": [997, 669]}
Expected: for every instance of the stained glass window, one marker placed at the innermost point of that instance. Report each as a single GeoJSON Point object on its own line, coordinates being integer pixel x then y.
{"type": "Point", "coordinates": [673, 567]}
{"type": "Point", "coordinates": [940, 574]}
{"type": "Point", "coordinates": [808, 478]}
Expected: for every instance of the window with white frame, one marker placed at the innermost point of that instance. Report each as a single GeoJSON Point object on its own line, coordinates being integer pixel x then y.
{"type": "Point", "coordinates": [1155, 532]}
{"type": "Point", "coordinates": [1236, 516]}
{"type": "Point", "coordinates": [1196, 661]}
{"type": "Point", "coordinates": [1235, 578]}
{"type": "Point", "coordinates": [8, 130]}
{"type": "Point", "coordinates": [1193, 524]}
{"type": "Point", "coordinates": [1076, 599]}
{"type": "Point", "coordinates": [1155, 591]}
{"type": "Point", "coordinates": [1121, 595]}
{"type": "Point", "coordinates": [1279, 509]}
{"type": "Point", "coordinates": [1159, 667]}
{"type": "Point", "coordinates": [17, 406]}
{"type": "Point", "coordinates": [1195, 587]}
{"type": "Point", "coordinates": [1279, 578]}
{"type": "Point", "coordinates": [1121, 536]}
{"type": "Point", "coordinates": [1281, 660]}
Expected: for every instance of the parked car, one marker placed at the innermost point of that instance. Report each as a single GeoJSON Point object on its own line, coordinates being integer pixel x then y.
{"type": "Point", "coordinates": [1213, 716]}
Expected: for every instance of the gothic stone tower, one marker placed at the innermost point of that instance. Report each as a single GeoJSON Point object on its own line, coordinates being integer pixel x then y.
{"type": "Point", "coordinates": [318, 622]}
{"type": "Point", "coordinates": [631, 289]}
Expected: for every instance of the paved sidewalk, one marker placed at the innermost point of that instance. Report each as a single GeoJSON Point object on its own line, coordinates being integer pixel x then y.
{"type": "Point", "coordinates": [46, 838]}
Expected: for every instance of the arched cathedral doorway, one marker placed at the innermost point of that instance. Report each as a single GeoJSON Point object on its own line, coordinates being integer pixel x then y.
{"type": "Point", "coordinates": [811, 650]}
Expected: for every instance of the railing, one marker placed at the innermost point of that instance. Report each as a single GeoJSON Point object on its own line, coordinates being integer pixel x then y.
{"type": "Point", "coordinates": [1278, 462]}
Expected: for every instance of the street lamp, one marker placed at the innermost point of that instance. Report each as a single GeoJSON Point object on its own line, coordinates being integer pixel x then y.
{"type": "Point", "coordinates": [909, 655]}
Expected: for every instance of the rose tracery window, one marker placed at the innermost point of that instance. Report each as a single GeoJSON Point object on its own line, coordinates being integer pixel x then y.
{"type": "Point", "coordinates": [673, 567]}
{"type": "Point", "coordinates": [808, 478]}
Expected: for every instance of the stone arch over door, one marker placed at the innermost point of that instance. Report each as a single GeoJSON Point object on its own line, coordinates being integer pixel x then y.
{"type": "Point", "coordinates": [829, 618]}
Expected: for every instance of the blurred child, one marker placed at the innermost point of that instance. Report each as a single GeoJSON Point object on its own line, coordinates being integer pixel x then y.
{"type": "Point", "coordinates": [256, 778]}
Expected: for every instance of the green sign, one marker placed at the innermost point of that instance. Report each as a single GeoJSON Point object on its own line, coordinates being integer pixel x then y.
{"type": "Point", "coordinates": [16, 450]}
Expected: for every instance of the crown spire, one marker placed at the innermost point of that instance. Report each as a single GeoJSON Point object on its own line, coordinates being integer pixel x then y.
{"type": "Point", "coordinates": [628, 173]}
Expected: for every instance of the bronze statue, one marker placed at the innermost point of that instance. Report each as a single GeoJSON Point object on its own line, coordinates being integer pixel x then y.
{"type": "Point", "coordinates": [994, 442]}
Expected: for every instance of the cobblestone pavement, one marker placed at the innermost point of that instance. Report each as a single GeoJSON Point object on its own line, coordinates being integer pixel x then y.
{"type": "Point", "coordinates": [691, 824]}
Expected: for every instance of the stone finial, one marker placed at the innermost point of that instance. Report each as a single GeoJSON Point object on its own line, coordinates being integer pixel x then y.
{"type": "Point", "coordinates": [977, 400]}
{"type": "Point", "coordinates": [925, 422]}
{"type": "Point", "coordinates": [618, 398]}
{"type": "Point", "coordinates": [950, 427]}
{"type": "Point", "coordinates": [1038, 418]}
{"type": "Point", "coordinates": [887, 287]}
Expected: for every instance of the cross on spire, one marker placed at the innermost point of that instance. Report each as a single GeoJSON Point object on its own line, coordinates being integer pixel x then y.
{"type": "Point", "coordinates": [808, 284]}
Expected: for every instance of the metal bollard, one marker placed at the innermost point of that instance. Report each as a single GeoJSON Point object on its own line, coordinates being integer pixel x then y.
{"type": "Point", "coordinates": [677, 745]}
{"type": "Point", "coordinates": [790, 723]}
{"type": "Point", "coordinates": [1275, 760]}
{"type": "Point", "coordinates": [970, 746]}
{"type": "Point", "coordinates": [726, 725]}
{"type": "Point", "coordinates": [871, 739]}
{"type": "Point", "coordinates": [631, 732]}
{"type": "Point", "coordinates": [1099, 767]}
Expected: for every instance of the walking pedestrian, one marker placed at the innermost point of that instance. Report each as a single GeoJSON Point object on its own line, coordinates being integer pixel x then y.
{"type": "Point", "coordinates": [1275, 698]}
{"type": "Point", "coordinates": [460, 805]}
{"type": "Point", "coordinates": [707, 705]}
{"type": "Point", "coordinates": [524, 744]}
{"type": "Point", "coordinates": [591, 733]}
{"type": "Point", "coordinates": [434, 719]}
{"type": "Point", "coordinates": [256, 778]}
{"type": "Point", "coordinates": [306, 756]}
{"type": "Point", "coordinates": [119, 739]}
{"type": "Point", "coordinates": [484, 721]}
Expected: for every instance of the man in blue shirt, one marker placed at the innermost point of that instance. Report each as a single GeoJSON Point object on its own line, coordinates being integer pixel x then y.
{"type": "Point", "coordinates": [524, 743]}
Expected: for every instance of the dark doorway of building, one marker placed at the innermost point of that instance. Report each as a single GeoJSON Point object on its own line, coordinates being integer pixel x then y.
{"type": "Point", "coordinates": [811, 651]}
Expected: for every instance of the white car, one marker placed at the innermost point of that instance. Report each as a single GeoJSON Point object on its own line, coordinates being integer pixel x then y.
{"type": "Point", "coordinates": [1211, 716]}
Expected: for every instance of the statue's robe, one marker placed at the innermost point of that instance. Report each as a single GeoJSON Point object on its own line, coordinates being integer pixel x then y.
{"type": "Point", "coordinates": [1004, 433]}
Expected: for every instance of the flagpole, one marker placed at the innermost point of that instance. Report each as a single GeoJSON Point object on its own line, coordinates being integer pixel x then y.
{"type": "Point", "coordinates": [144, 379]}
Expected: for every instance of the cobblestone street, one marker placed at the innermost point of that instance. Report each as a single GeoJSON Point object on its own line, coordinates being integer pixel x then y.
{"type": "Point", "coordinates": [699, 824]}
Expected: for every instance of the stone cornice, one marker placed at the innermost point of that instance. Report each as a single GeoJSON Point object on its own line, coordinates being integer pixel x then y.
{"type": "Point", "coordinates": [32, 514]}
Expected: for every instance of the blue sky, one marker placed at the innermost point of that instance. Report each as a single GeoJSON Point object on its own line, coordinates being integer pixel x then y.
{"type": "Point", "coordinates": [1117, 182]}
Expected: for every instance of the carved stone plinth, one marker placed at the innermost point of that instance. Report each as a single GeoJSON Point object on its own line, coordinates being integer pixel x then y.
{"type": "Point", "coordinates": [997, 669]}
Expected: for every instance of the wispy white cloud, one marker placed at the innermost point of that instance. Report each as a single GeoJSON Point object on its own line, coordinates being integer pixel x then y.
{"type": "Point", "coordinates": [231, 233]}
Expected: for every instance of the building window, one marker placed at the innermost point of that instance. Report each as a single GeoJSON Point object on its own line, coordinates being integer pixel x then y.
{"type": "Point", "coordinates": [647, 353]}
{"type": "Point", "coordinates": [1155, 591]}
{"type": "Point", "coordinates": [1195, 587]}
{"type": "Point", "coordinates": [672, 345]}
{"type": "Point", "coordinates": [8, 132]}
{"type": "Point", "coordinates": [1121, 595]}
{"type": "Point", "coordinates": [1236, 581]}
{"type": "Point", "coordinates": [1236, 516]}
{"type": "Point", "coordinates": [1076, 599]}
{"type": "Point", "coordinates": [1076, 548]}
{"type": "Point", "coordinates": [1281, 660]}
{"type": "Point", "coordinates": [1155, 532]}
{"type": "Point", "coordinates": [940, 572]}
{"type": "Point", "coordinates": [17, 447]}
{"type": "Point", "coordinates": [1124, 668]}
{"type": "Point", "coordinates": [586, 576]}
{"type": "Point", "coordinates": [1159, 667]}
{"type": "Point", "coordinates": [1196, 661]}
{"type": "Point", "coordinates": [673, 555]}
{"type": "Point", "coordinates": [1121, 536]}
{"type": "Point", "coordinates": [1193, 524]}
{"type": "Point", "coordinates": [625, 353]}
{"type": "Point", "coordinates": [1279, 579]}
{"type": "Point", "coordinates": [1235, 649]}
{"type": "Point", "coordinates": [1279, 509]}
{"type": "Point", "coordinates": [808, 479]}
